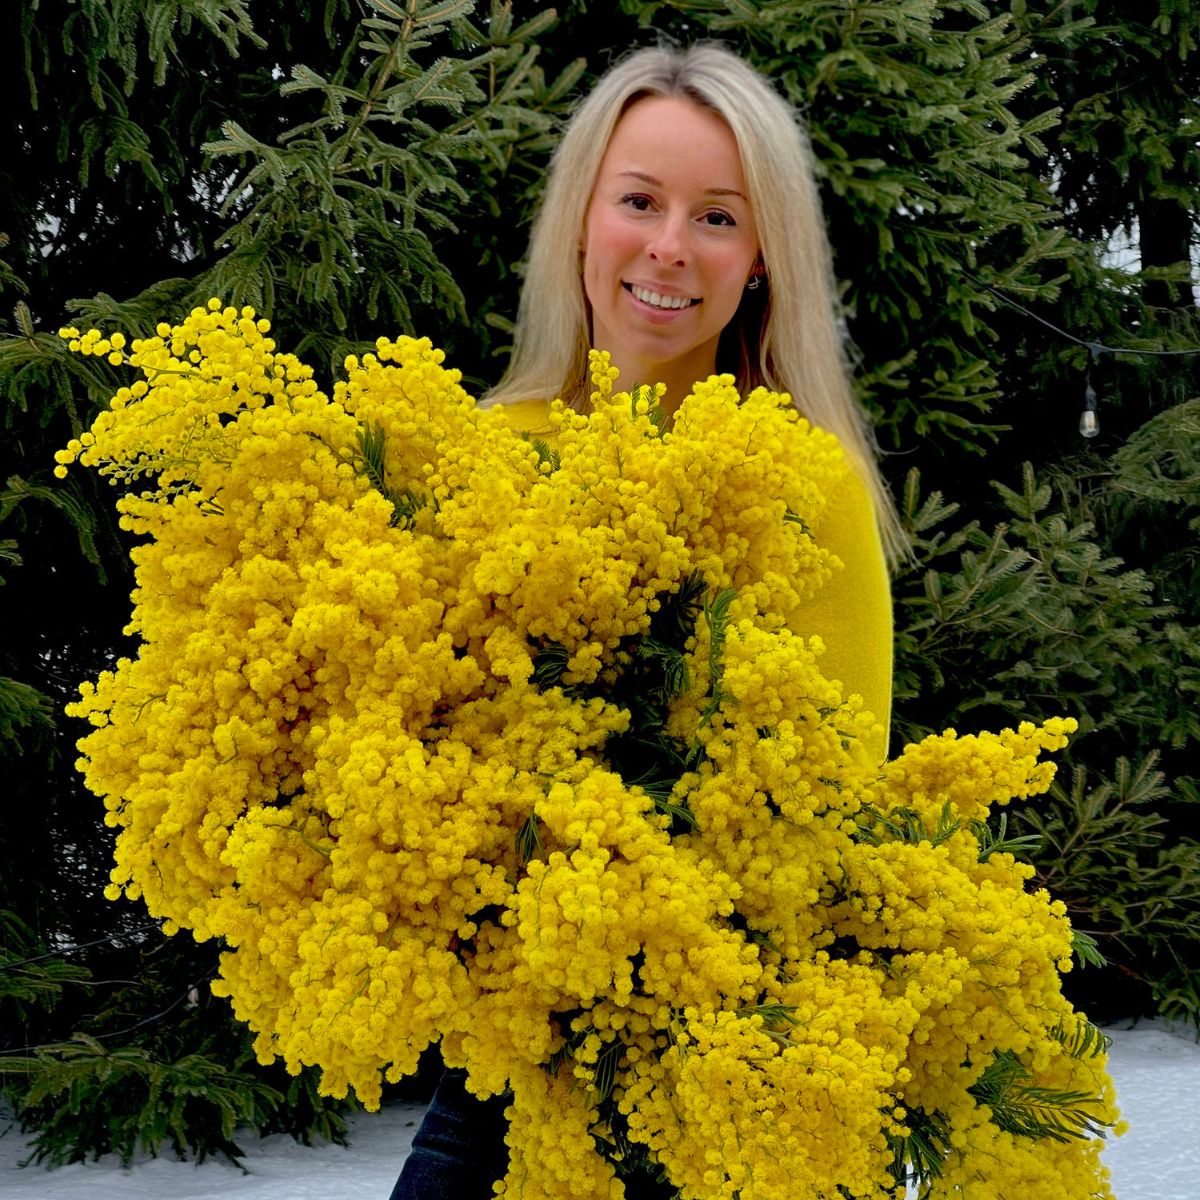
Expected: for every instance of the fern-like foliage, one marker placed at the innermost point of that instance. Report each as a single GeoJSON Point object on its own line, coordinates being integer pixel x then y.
{"type": "Point", "coordinates": [1086, 949]}
{"type": "Point", "coordinates": [999, 841]}
{"type": "Point", "coordinates": [606, 1068]}
{"type": "Point", "coordinates": [1017, 1103]}
{"type": "Point", "coordinates": [545, 453]}
{"type": "Point", "coordinates": [792, 518]}
{"type": "Point", "coordinates": [529, 839]}
{"type": "Point", "coordinates": [1020, 1106]}
{"type": "Point", "coordinates": [370, 461]}
{"type": "Point", "coordinates": [918, 1155]}
{"type": "Point", "coordinates": [675, 620]}
{"type": "Point", "coordinates": [649, 672]}
{"type": "Point", "coordinates": [1082, 1039]}
{"type": "Point", "coordinates": [905, 825]}
{"type": "Point", "coordinates": [716, 617]}
{"type": "Point", "coordinates": [655, 412]}
{"type": "Point", "coordinates": [1101, 827]}
{"type": "Point", "coordinates": [549, 664]}
{"type": "Point", "coordinates": [772, 1014]}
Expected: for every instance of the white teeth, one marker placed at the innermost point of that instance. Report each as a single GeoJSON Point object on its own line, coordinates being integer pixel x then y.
{"type": "Point", "coordinates": [649, 297]}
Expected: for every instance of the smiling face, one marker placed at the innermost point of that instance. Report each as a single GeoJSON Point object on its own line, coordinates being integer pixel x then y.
{"type": "Point", "coordinates": [669, 243]}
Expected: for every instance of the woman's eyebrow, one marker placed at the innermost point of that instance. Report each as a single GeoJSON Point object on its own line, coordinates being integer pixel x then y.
{"type": "Point", "coordinates": [653, 182]}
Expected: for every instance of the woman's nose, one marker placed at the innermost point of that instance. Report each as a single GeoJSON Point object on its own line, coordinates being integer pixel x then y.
{"type": "Point", "coordinates": [668, 243]}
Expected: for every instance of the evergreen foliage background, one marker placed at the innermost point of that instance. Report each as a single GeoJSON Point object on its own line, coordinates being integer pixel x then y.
{"type": "Point", "coordinates": [355, 167]}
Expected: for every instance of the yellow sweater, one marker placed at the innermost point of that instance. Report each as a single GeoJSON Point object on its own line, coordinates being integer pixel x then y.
{"type": "Point", "coordinates": [852, 613]}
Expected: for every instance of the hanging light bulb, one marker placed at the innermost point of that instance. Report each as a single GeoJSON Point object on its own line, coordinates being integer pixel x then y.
{"type": "Point", "coordinates": [1089, 423]}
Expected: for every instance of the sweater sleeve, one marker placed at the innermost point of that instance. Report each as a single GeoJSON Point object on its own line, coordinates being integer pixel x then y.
{"type": "Point", "coordinates": [852, 613]}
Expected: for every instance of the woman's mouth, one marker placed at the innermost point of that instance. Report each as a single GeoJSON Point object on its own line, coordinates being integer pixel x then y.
{"type": "Point", "coordinates": [657, 299]}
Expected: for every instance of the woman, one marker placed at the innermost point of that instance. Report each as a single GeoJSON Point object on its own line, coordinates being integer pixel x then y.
{"type": "Point", "coordinates": [681, 231]}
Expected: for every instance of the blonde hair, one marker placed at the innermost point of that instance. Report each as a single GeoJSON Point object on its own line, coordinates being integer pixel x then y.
{"type": "Point", "coordinates": [788, 341]}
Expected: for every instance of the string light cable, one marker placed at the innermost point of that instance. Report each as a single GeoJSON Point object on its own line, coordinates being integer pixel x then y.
{"type": "Point", "coordinates": [189, 996]}
{"type": "Point", "coordinates": [112, 939]}
{"type": "Point", "coordinates": [1089, 423]}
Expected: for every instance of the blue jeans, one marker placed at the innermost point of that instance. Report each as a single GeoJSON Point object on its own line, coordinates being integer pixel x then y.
{"type": "Point", "coordinates": [459, 1151]}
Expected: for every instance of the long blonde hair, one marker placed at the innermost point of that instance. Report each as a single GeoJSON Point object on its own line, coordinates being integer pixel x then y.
{"type": "Point", "coordinates": [789, 341]}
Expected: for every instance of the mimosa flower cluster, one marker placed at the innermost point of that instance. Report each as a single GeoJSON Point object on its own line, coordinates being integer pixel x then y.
{"type": "Point", "coordinates": [521, 747]}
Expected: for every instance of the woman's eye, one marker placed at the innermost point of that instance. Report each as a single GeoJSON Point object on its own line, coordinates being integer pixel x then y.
{"type": "Point", "coordinates": [636, 201]}
{"type": "Point", "coordinates": [717, 217]}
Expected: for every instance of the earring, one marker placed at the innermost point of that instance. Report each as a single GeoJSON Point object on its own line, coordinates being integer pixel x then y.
{"type": "Point", "coordinates": [754, 283]}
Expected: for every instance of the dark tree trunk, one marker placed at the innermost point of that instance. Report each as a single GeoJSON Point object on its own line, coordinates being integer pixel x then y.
{"type": "Point", "coordinates": [1165, 234]}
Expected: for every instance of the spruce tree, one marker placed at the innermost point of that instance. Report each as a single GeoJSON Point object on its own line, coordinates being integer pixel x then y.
{"type": "Point", "coordinates": [357, 167]}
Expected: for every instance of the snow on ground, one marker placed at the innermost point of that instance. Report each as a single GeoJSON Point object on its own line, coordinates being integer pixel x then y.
{"type": "Point", "coordinates": [1156, 1068]}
